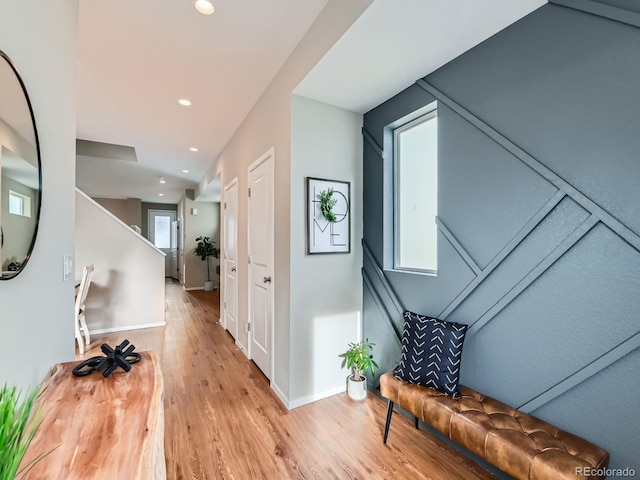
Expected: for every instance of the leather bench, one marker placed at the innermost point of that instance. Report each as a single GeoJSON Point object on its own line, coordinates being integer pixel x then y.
{"type": "Point", "coordinates": [519, 444]}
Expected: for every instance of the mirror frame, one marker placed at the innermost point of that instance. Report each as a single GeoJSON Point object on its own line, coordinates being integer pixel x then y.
{"type": "Point", "coordinates": [6, 58]}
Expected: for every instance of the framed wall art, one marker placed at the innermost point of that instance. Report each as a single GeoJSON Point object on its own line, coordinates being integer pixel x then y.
{"type": "Point", "coordinates": [328, 216]}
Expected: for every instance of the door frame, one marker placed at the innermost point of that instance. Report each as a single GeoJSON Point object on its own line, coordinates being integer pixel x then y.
{"type": "Point", "coordinates": [269, 158]}
{"type": "Point", "coordinates": [223, 296]}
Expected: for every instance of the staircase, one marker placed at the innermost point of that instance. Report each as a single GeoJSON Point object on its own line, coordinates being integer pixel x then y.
{"type": "Point", "coordinates": [127, 288]}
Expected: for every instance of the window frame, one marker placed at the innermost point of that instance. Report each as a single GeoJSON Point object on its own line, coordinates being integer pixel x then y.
{"type": "Point", "coordinates": [25, 204]}
{"type": "Point", "coordinates": [396, 132]}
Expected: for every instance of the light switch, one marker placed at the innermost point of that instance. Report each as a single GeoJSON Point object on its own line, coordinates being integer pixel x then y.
{"type": "Point", "coordinates": [67, 262]}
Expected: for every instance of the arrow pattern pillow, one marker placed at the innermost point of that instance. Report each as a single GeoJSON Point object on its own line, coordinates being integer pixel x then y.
{"type": "Point", "coordinates": [431, 353]}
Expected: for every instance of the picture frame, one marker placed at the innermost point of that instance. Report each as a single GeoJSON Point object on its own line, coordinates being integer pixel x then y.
{"type": "Point", "coordinates": [333, 234]}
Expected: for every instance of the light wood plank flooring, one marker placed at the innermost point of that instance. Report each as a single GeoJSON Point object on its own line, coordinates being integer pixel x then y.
{"type": "Point", "coordinates": [222, 420]}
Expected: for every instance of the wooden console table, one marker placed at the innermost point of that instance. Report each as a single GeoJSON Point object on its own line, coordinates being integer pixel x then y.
{"type": "Point", "coordinates": [101, 428]}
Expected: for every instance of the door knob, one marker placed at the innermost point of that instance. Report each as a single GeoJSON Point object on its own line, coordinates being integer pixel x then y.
{"type": "Point", "coordinates": [233, 269]}
{"type": "Point", "coordinates": [267, 279]}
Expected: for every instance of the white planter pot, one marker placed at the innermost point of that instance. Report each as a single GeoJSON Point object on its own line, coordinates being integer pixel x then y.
{"type": "Point", "coordinates": [208, 286]}
{"type": "Point", "coordinates": [356, 390]}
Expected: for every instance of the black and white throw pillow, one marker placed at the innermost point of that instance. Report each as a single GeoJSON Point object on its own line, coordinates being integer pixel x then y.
{"type": "Point", "coordinates": [431, 353]}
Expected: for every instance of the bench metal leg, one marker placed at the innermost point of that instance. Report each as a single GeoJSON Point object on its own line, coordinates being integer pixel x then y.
{"type": "Point", "coordinates": [416, 421]}
{"type": "Point", "coordinates": [386, 427]}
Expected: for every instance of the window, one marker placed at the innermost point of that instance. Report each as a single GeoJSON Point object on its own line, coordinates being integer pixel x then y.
{"type": "Point", "coordinates": [162, 231]}
{"type": "Point", "coordinates": [19, 204]}
{"type": "Point", "coordinates": [416, 194]}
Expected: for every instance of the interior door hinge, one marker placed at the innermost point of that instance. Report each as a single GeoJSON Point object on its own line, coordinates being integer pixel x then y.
{"type": "Point", "coordinates": [248, 327]}
{"type": "Point", "coordinates": [249, 189]}
{"type": "Point", "coordinates": [225, 305]}
{"type": "Point", "coordinates": [249, 259]}
{"type": "Point", "coordinates": [225, 205]}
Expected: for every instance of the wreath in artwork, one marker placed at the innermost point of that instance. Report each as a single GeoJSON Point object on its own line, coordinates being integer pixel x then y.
{"type": "Point", "coordinates": [327, 202]}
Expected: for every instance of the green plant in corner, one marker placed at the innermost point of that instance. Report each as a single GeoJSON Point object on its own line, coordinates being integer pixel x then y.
{"type": "Point", "coordinates": [359, 360]}
{"type": "Point", "coordinates": [19, 421]}
{"type": "Point", "coordinates": [205, 249]}
{"type": "Point", "coordinates": [327, 202]}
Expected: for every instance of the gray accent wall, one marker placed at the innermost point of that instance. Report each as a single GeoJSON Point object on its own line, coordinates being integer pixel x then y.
{"type": "Point", "coordinates": [539, 224]}
{"type": "Point", "coordinates": [632, 5]}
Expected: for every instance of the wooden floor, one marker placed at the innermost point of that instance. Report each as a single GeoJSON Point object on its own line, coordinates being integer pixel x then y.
{"type": "Point", "coordinates": [222, 420]}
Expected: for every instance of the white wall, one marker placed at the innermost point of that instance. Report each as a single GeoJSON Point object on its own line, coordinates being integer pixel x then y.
{"type": "Point", "coordinates": [127, 288]}
{"type": "Point", "coordinates": [36, 307]}
{"type": "Point", "coordinates": [269, 125]}
{"type": "Point", "coordinates": [326, 290]}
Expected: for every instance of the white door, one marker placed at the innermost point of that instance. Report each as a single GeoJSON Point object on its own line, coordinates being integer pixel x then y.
{"type": "Point", "coordinates": [160, 235]}
{"type": "Point", "coordinates": [261, 279]}
{"type": "Point", "coordinates": [230, 262]}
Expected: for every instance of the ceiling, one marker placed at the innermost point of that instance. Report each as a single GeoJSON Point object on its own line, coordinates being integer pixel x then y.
{"type": "Point", "coordinates": [137, 58]}
{"type": "Point", "coordinates": [391, 46]}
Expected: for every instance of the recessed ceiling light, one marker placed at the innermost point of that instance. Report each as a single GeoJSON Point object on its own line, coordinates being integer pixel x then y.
{"type": "Point", "coordinates": [162, 180]}
{"type": "Point", "coordinates": [161, 194]}
{"type": "Point", "coordinates": [185, 171]}
{"type": "Point", "coordinates": [193, 149]}
{"type": "Point", "coordinates": [184, 102]}
{"type": "Point", "coordinates": [205, 7]}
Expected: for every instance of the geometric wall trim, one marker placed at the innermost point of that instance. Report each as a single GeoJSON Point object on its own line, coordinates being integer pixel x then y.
{"type": "Point", "coordinates": [379, 286]}
{"type": "Point", "coordinates": [390, 307]}
{"type": "Point", "coordinates": [580, 198]}
{"type": "Point", "coordinates": [597, 214]}
{"type": "Point", "coordinates": [508, 248]}
{"type": "Point", "coordinates": [534, 274]}
{"type": "Point", "coordinates": [583, 374]}
{"type": "Point", "coordinates": [612, 13]}
{"type": "Point", "coordinates": [370, 140]}
{"type": "Point", "coordinates": [458, 247]}
{"type": "Point", "coordinates": [538, 230]}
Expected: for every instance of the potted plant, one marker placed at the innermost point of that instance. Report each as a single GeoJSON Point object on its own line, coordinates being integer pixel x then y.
{"type": "Point", "coordinates": [358, 359]}
{"type": "Point", "coordinates": [205, 249]}
{"type": "Point", "coordinates": [17, 428]}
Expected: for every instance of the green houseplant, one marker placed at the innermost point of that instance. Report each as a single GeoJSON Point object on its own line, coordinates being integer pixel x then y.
{"type": "Point", "coordinates": [359, 358]}
{"type": "Point", "coordinates": [18, 424]}
{"type": "Point", "coordinates": [205, 249]}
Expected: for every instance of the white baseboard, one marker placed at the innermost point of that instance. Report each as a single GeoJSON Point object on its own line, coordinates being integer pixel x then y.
{"type": "Point", "coordinates": [242, 349]}
{"type": "Point", "coordinates": [192, 288]}
{"type": "Point", "coordinates": [283, 398]}
{"type": "Point", "coordinates": [316, 396]}
{"type": "Point", "coordinates": [126, 328]}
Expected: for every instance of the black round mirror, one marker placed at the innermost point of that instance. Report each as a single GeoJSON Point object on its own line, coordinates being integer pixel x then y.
{"type": "Point", "coordinates": [20, 172]}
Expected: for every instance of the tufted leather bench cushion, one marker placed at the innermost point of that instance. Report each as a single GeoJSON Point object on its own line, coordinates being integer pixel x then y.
{"type": "Point", "coordinates": [517, 443]}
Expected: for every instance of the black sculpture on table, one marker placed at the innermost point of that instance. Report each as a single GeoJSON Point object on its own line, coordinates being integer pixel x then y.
{"type": "Point", "coordinates": [113, 359]}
